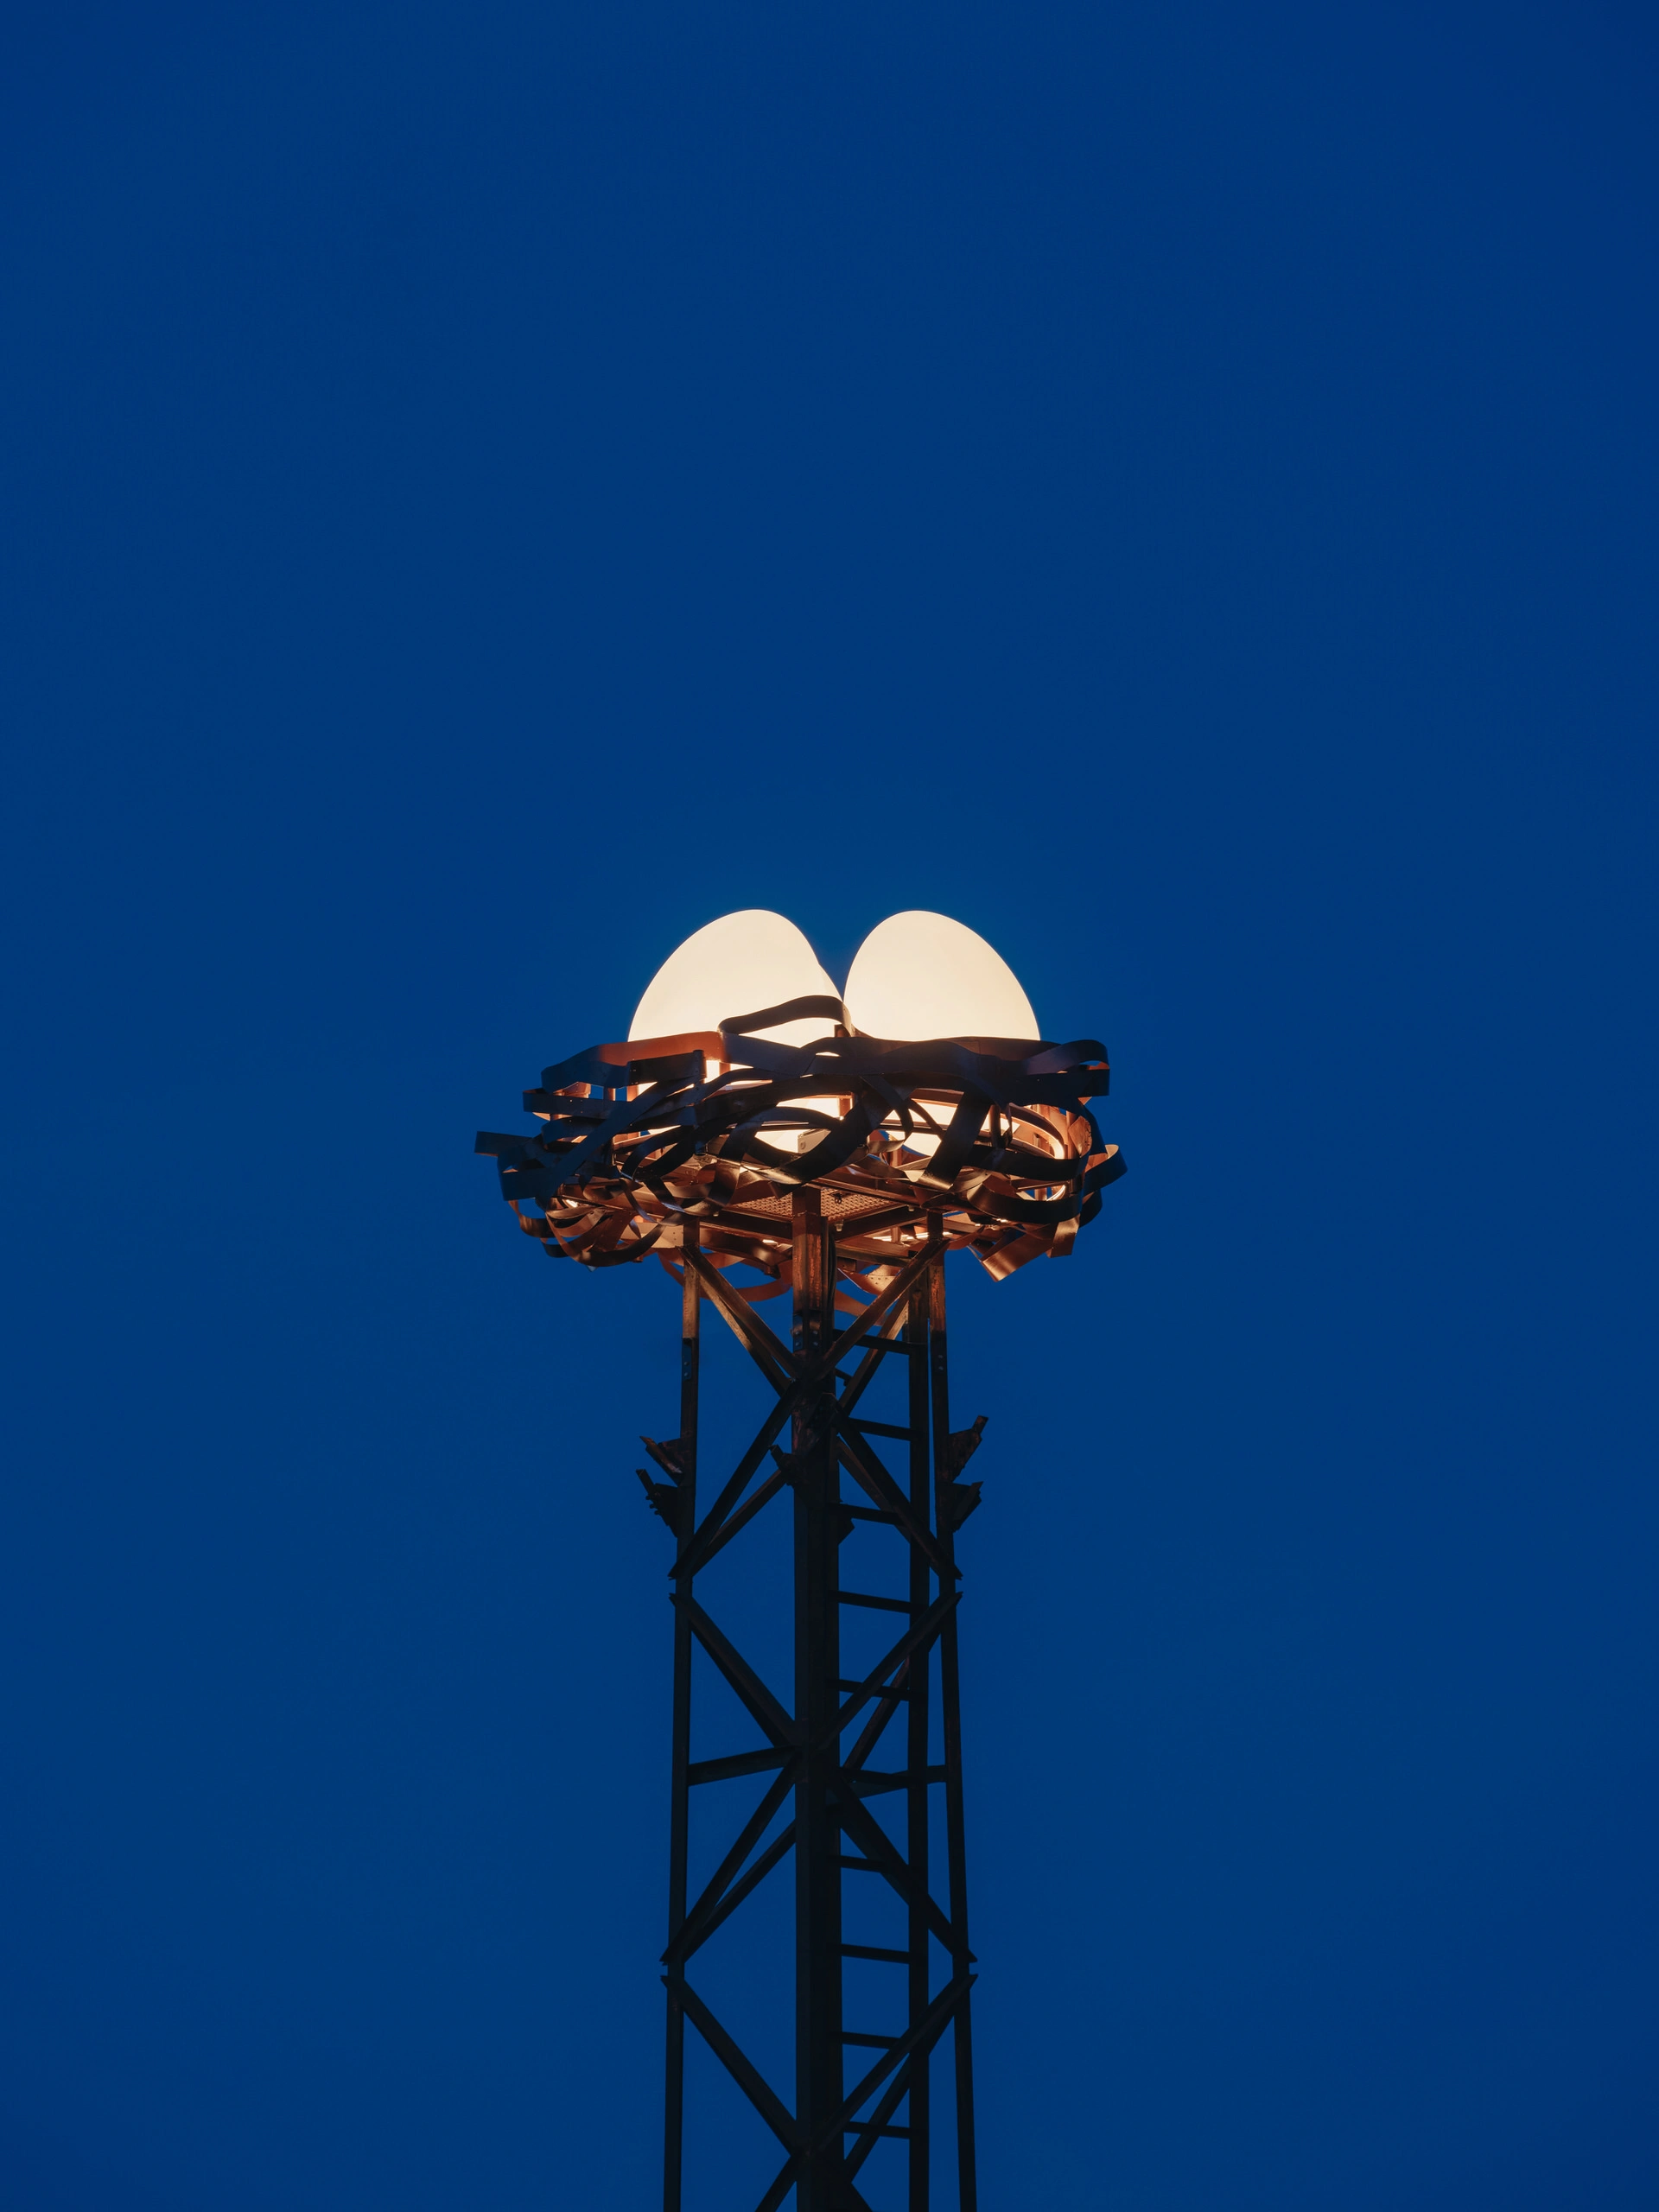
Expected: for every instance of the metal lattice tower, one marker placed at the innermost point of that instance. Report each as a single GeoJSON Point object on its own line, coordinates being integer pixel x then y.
{"type": "Point", "coordinates": [979, 1143]}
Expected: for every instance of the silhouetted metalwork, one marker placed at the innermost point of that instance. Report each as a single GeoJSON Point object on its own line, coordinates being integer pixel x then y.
{"type": "Point", "coordinates": [912, 1150]}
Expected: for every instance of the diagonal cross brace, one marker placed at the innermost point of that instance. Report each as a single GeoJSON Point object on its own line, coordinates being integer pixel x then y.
{"type": "Point", "coordinates": [713, 1905]}
{"type": "Point", "coordinates": [794, 1380]}
{"type": "Point", "coordinates": [865, 1372]}
{"type": "Point", "coordinates": [718, 1539]}
{"type": "Point", "coordinates": [926, 2030]}
{"type": "Point", "coordinates": [702, 1924]}
{"type": "Point", "coordinates": [873, 1730]}
{"type": "Point", "coordinates": [701, 1548]}
{"type": "Point", "coordinates": [770, 1354]}
{"type": "Point", "coordinates": [851, 2201]}
{"type": "Point", "coordinates": [915, 1641]}
{"type": "Point", "coordinates": [883, 1855]}
{"type": "Point", "coordinates": [875, 1312]}
{"type": "Point", "coordinates": [922, 2037]}
{"type": "Point", "coordinates": [753, 2084]}
{"type": "Point", "coordinates": [742, 1677]}
{"type": "Point", "coordinates": [876, 1483]}
{"type": "Point", "coordinates": [692, 1930]}
{"type": "Point", "coordinates": [870, 2128]}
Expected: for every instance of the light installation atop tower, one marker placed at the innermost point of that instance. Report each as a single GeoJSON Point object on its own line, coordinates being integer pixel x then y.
{"type": "Point", "coordinates": [832, 1149]}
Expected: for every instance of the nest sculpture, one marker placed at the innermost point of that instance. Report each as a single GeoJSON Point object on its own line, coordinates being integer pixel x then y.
{"type": "Point", "coordinates": [994, 1136]}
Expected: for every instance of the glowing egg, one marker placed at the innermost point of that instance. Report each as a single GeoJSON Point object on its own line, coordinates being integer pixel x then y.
{"type": "Point", "coordinates": [918, 975]}
{"type": "Point", "coordinates": [735, 966]}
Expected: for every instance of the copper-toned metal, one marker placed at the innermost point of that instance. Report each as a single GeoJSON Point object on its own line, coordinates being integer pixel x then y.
{"type": "Point", "coordinates": [671, 1146]}
{"type": "Point", "coordinates": [643, 1138]}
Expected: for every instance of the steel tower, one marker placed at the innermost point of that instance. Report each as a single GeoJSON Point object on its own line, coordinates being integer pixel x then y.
{"type": "Point", "coordinates": [674, 1147]}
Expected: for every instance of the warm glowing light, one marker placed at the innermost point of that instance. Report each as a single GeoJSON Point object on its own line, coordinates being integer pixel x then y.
{"type": "Point", "coordinates": [916, 975]}
{"type": "Point", "coordinates": [920, 975]}
{"type": "Point", "coordinates": [735, 966]}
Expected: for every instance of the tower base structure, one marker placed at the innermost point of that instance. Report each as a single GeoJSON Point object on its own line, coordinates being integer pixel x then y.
{"type": "Point", "coordinates": [865, 1766]}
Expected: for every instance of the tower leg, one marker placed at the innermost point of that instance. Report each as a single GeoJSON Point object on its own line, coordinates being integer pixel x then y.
{"type": "Point", "coordinates": [680, 1794]}
{"type": "Point", "coordinates": [916, 1752]}
{"type": "Point", "coordinates": [951, 1717]}
{"type": "Point", "coordinates": [817, 1666]}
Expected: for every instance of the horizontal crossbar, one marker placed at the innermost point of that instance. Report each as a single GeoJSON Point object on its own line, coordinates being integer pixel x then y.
{"type": "Point", "coordinates": [727, 1770]}
{"type": "Point", "coordinates": [873, 1785]}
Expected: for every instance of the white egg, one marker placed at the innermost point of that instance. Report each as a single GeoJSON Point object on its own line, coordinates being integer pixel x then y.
{"type": "Point", "coordinates": [735, 966]}
{"type": "Point", "coordinates": [919, 974]}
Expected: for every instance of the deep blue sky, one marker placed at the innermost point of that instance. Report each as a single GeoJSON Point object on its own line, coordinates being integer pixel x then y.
{"type": "Point", "coordinates": [486, 490]}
